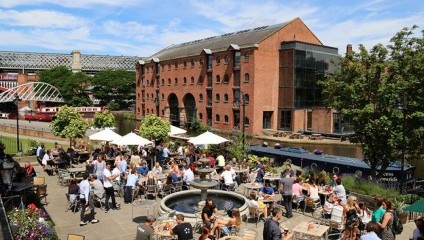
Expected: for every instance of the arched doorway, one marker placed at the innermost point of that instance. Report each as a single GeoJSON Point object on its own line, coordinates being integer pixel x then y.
{"type": "Point", "coordinates": [174, 112]}
{"type": "Point", "coordinates": [190, 108]}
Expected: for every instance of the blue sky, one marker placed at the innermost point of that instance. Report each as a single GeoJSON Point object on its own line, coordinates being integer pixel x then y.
{"type": "Point", "coordinates": [143, 27]}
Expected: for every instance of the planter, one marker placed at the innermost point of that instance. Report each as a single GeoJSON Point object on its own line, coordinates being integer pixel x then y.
{"type": "Point", "coordinates": [403, 217]}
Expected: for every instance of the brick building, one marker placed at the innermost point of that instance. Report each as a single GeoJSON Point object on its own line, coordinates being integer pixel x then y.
{"type": "Point", "coordinates": [268, 74]}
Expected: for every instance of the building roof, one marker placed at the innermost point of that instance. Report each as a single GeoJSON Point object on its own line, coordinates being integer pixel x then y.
{"type": "Point", "coordinates": [36, 61]}
{"type": "Point", "coordinates": [245, 38]}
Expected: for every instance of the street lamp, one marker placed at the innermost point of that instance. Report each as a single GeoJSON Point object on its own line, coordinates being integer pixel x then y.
{"type": "Point", "coordinates": [402, 105]}
{"type": "Point", "coordinates": [16, 101]}
{"type": "Point", "coordinates": [6, 172]}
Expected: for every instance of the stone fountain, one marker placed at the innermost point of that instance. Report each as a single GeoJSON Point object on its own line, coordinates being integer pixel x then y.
{"type": "Point", "coordinates": [190, 201]}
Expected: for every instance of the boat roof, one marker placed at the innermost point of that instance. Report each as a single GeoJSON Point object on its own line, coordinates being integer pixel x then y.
{"type": "Point", "coordinates": [326, 158]}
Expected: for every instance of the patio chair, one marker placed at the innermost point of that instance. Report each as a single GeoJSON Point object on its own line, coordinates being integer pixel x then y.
{"type": "Point", "coordinates": [64, 177]}
{"type": "Point", "coordinates": [151, 191]}
{"type": "Point", "coordinates": [311, 203]}
{"type": "Point", "coordinates": [255, 213]}
{"type": "Point", "coordinates": [177, 187]}
{"type": "Point", "coordinates": [39, 181]}
{"type": "Point", "coordinates": [336, 220]}
{"type": "Point", "coordinates": [73, 203]}
{"type": "Point", "coordinates": [231, 187]}
{"type": "Point", "coordinates": [41, 192]}
{"type": "Point", "coordinates": [75, 237]}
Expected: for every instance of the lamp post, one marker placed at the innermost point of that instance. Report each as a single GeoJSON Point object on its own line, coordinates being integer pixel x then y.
{"type": "Point", "coordinates": [402, 106]}
{"type": "Point", "coordinates": [16, 101]}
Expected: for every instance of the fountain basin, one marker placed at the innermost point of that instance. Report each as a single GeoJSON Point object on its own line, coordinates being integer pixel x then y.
{"type": "Point", "coordinates": [186, 202]}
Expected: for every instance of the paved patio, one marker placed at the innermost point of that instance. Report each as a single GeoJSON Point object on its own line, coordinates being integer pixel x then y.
{"type": "Point", "coordinates": [120, 225]}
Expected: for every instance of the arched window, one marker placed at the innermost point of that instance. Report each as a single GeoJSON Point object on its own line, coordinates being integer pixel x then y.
{"type": "Point", "coordinates": [218, 60]}
{"type": "Point", "coordinates": [226, 78]}
{"type": "Point", "coordinates": [225, 97]}
{"type": "Point", "coordinates": [226, 59]}
{"type": "Point", "coordinates": [163, 96]}
{"type": "Point", "coordinates": [192, 63]}
{"type": "Point", "coordinates": [176, 81]}
{"type": "Point", "coordinates": [147, 82]}
{"type": "Point", "coordinates": [192, 80]}
{"type": "Point", "coordinates": [246, 98]}
{"type": "Point", "coordinates": [217, 97]}
{"type": "Point", "coordinates": [185, 80]}
{"type": "Point", "coordinates": [201, 61]}
{"type": "Point", "coordinates": [246, 77]}
{"type": "Point", "coordinates": [200, 97]}
{"type": "Point", "coordinates": [217, 119]}
{"type": "Point", "coordinates": [148, 111]}
{"type": "Point", "coordinates": [226, 119]}
{"type": "Point", "coordinates": [163, 112]}
{"type": "Point", "coordinates": [138, 95]}
{"type": "Point", "coordinates": [246, 121]}
{"type": "Point", "coordinates": [185, 64]}
{"type": "Point", "coordinates": [200, 80]}
{"type": "Point", "coordinates": [176, 65]}
{"type": "Point", "coordinates": [169, 81]}
{"type": "Point", "coordinates": [218, 79]}
{"type": "Point", "coordinates": [138, 109]}
{"type": "Point", "coordinates": [169, 66]}
{"type": "Point", "coordinates": [200, 116]}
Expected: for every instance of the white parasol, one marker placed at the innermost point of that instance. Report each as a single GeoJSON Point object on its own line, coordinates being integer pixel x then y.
{"type": "Point", "coordinates": [207, 138]}
{"type": "Point", "coordinates": [132, 139]}
{"type": "Point", "coordinates": [105, 135]}
{"type": "Point", "coordinates": [176, 131]}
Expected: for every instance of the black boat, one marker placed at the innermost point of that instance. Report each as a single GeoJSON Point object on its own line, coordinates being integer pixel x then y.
{"type": "Point", "coordinates": [331, 163]}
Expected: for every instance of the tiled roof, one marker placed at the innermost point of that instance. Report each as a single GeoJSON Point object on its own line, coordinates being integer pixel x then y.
{"type": "Point", "coordinates": [244, 38]}
{"type": "Point", "coordinates": [31, 60]}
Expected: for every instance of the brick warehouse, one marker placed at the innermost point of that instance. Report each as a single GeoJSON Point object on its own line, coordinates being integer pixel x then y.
{"type": "Point", "coordinates": [271, 72]}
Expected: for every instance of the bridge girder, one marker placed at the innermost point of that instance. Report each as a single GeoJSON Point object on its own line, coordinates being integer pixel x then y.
{"type": "Point", "coordinates": [32, 91]}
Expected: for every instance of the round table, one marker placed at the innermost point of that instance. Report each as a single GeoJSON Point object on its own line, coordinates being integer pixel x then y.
{"type": "Point", "coordinates": [163, 232]}
{"type": "Point", "coordinates": [248, 187]}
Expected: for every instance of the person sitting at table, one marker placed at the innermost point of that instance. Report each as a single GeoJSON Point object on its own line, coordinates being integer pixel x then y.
{"type": "Point", "coordinates": [245, 165]}
{"type": "Point", "coordinates": [224, 224]}
{"type": "Point", "coordinates": [130, 185]}
{"type": "Point", "coordinates": [99, 166]}
{"type": "Point", "coordinates": [174, 168]}
{"type": "Point", "coordinates": [227, 176]}
{"type": "Point", "coordinates": [157, 169]}
{"type": "Point", "coordinates": [267, 192]}
{"type": "Point", "coordinates": [298, 191]}
{"type": "Point", "coordinates": [209, 213]}
{"type": "Point", "coordinates": [329, 205]}
{"type": "Point", "coordinates": [260, 174]}
{"type": "Point", "coordinates": [233, 163]}
{"type": "Point", "coordinates": [313, 190]}
{"type": "Point", "coordinates": [253, 201]}
{"type": "Point", "coordinates": [73, 189]}
{"type": "Point", "coordinates": [151, 179]}
{"type": "Point", "coordinates": [183, 230]}
{"type": "Point", "coordinates": [64, 160]}
{"type": "Point", "coordinates": [340, 191]}
{"type": "Point", "coordinates": [145, 230]}
{"type": "Point", "coordinates": [143, 169]}
{"type": "Point", "coordinates": [188, 176]}
{"type": "Point", "coordinates": [29, 170]}
{"type": "Point", "coordinates": [47, 158]}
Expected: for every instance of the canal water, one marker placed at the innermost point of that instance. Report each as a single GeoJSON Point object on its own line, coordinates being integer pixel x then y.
{"type": "Point", "coordinates": [125, 126]}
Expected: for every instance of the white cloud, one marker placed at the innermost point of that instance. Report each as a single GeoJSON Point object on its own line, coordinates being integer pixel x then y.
{"type": "Point", "coordinates": [70, 3]}
{"type": "Point", "coordinates": [128, 30]}
{"type": "Point", "coordinates": [40, 18]}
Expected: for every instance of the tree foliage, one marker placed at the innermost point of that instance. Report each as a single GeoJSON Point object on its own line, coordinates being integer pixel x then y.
{"type": "Point", "coordinates": [104, 119]}
{"type": "Point", "coordinates": [69, 123]}
{"type": "Point", "coordinates": [154, 128]}
{"type": "Point", "coordinates": [71, 85]}
{"type": "Point", "coordinates": [115, 86]}
{"type": "Point", "coordinates": [368, 90]}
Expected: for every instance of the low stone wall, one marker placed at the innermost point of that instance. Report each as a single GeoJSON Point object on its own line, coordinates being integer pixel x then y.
{"type": "Point", "coordinates": [31, 132]}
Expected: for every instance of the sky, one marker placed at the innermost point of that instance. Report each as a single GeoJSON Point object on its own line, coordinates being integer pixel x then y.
{"type": "Point", "coordinates": [143, 27]}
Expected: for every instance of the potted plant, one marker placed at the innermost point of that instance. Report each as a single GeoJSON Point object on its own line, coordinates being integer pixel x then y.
{"type": "Point", "coordinates": [398, 206]}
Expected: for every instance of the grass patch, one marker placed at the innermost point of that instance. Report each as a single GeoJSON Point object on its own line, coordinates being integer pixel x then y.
{"type": "Point", "coordinates": [26, 143]}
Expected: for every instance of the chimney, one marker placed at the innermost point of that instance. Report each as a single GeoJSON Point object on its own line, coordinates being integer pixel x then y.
{"type": "Point", "coordinates": [349, 49]}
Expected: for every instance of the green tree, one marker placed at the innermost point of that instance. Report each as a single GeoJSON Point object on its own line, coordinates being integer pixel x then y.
{"type": "Point", "coordinates": [71, 85]}
{"type": "Point", "coordinates": [153, 127]}
{"type": "Point", "coordinates": [69, 123]}
{"type": "Point", "coordinates": [104, 119]}
{"type": "Point", "coordinates": [367, 91]}
{"type": "Point", "coordinates": [114, 85]}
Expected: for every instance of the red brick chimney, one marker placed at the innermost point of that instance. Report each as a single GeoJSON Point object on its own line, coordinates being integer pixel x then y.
{"type": "Point", "coordinates": [349, 49]}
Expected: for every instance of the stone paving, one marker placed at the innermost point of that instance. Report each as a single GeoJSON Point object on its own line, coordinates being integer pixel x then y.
{"type": "Point", "coordinates": [120, 225]}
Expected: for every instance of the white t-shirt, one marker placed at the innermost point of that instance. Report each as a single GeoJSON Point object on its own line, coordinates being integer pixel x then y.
{"type": "Point", "coordinates": [46, 158]}
{"type": "Point", "coordinates": [188, 176]}
{"type": "Point", "coordinates": [228, 177]}
{"type": "Point", "coordinates": [116, 171]}
{"type": "Point", "coordinates": [107, 183]}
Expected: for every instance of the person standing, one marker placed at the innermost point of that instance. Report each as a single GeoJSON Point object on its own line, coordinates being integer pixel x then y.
{"type": "Point", "coordinates": [183, 230]}
{"type": "Point", "coordinates": [86, 200]}
{"type": "Point", "coordinates": [145, 230]}
{"type": "Point", "coordinates": [272, 229]}
{"type": "Point", "coordinates": [99, 166]}
{"type": "Point", "coordinates": [386, 224]}
{"type": "Point", "coordinates": [286, 189]}
{"type": "Point", "coordinates": [108, 185]}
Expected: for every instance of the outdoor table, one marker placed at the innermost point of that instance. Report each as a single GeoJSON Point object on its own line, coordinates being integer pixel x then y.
{"type": "Point", "coordinates": [318, 232]}
{"type": "Point", "coordinates": [21, 189]}
{"type": "Point", "coordinates": [75, 171]}
{"type": "Point", "coordinates": [249, 187]}
{"type": "Point", "coordinates": [83, 155]}
{"type": "Point", "coordinates": [231, 238]}
{"type": "Point", "coordinates": [163, 232]}
{"type": "Point", "coordinates": [144, 204]}
{"type": "Point", "coordinates": [273, 178]}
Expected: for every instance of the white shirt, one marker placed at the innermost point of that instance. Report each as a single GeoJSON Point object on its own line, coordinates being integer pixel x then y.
{"type": "Point", "coordinates": [107, 183]}
{"type": "Point", "coordinates": [188, 176]}
{"type": "Point", "coordinates": [115, 172]}
{"type": "Point", "coordinates": [46, 158]}
{"type": "Point", "coordinates": [180, 151]}
{"type": "Point", "coordinates": [84, 189]}
{"type": "Point", "coordinates": [228, 177]}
